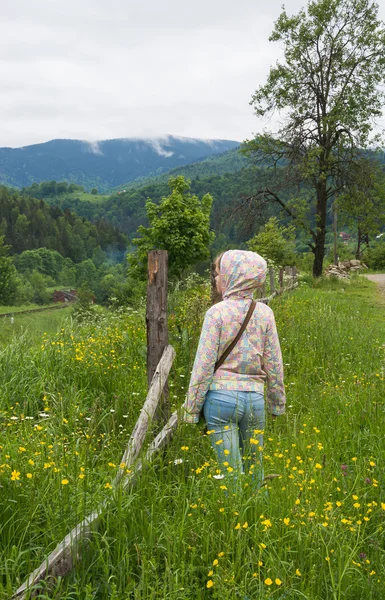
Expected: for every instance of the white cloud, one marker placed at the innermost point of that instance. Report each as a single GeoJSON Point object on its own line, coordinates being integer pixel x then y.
{"type": "Point", "coordinates": [159, 149]}
{"type": "Point", "coordinates": [93, 147]}
{"type": "Point", "coordinates": [97, 69]}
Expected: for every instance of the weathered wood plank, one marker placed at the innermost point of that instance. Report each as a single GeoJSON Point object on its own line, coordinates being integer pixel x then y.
{"type": "Point", "coordinates": [148, 410]}
{"type": "Point", "coordinates": [161, 440]}
{"type": "Point", "coordinates": [61, 560]}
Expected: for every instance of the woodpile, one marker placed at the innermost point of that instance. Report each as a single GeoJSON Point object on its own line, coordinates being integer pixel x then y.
{"type": "Point", "coordinates": [344, 269]}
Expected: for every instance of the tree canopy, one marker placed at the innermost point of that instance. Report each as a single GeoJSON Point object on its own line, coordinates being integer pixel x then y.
{"type": "Point", "coordinates": [328, 89]}
{"type": "Point", "coordinates": [7, 275]}
{"type": "Point", "coordinates": [275, 243]}
{"type": "Point", "coordinates": [361, 205]}
{"type": "Point", "coordinates": [28, 224]}
{"type": "Point", "coordinates": [180, 224]}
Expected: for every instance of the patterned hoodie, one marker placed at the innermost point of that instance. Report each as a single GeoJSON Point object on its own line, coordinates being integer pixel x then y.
{"type": "Point", "coordinates": [257, 356]}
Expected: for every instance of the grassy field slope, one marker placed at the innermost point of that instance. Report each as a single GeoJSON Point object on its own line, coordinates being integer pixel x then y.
{"type": "Point", "coordinates": [68, 407]}
{"type": "Point", "coordinates": [31, 326]}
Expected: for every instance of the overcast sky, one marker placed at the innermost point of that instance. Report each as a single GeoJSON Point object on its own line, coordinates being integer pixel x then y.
{"type": "Point", "coordinates": [98, 69]}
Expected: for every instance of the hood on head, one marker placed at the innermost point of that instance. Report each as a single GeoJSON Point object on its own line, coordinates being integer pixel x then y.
{"type": "Point", "coordinates": [242, 272]}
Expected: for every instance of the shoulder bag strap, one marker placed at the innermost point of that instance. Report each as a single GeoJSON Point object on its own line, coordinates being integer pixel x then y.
{"type": "Point", "coordinates": [237, 338]}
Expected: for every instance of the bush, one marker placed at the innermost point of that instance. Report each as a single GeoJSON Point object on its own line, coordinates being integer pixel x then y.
{"type": "Point", "coordinates": [84, 309]}
{"type": "Point", "coordinates": [275, 243]}
{"type": "Point", "coordinates": [374, 257]}
{"type": "Point", "coordinates": [38, 283]}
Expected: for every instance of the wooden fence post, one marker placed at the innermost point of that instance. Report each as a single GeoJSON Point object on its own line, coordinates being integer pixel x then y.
{"type": "Point", "coordinates": [280, 279]}
{"type": "Point", "coordinates": [215, 295]}
{"type": "Point", "coordinates": [156, 319]}
{"type": "Point", "coordinates": [272, 281]}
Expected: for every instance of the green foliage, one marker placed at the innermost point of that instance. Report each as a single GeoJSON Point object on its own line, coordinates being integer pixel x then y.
{"type": "Point", "coordinates": [48, 262]}
{"type": "Point", "coordinates": [49, 189]}
{"type": "Point", "coordinates": [85, 310]}
{"type": "Point", "coordinates": [180, 224]}
{"type": "Point", "coordinates": [231, 161]}
{"type": "Point", "coordinates": [130, 292]}
{"type": "Point", "coordinates": [275, 243]}
{"type": "Point", "coordinates": [362, 204]}
{"type": "Point", "coordinates": [374, 256]}
{"type": "Point", "coordinates": [29, 224]}
{"type": "Point", "coordinates": [330, 85]}
{"type": "Point", "coordinates": [8, 281]}
{"type": "Point", "coordinates": [98, 257]}
{"type": "Point", "coordinates": [38, 284]}
{"type": "Point", "coordinates": [85, 273]}
{"type": "Point", "coordinates": [126, 209]}
{"type": "Point", "coordinates": [68, 273]}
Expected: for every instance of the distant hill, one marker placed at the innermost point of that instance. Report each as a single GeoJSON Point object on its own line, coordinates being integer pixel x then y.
{"type": "Point", "coordinates": [219, 164]}
{"type": "Point", "coordinates": [126, 209]}
{"type": "Point", "coordinates": [27, 224]}
{"type": "Point", "coordinates": [105, 164]}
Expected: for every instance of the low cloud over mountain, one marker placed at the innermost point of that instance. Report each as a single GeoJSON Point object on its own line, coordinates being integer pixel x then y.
{"type": "Point", "coordinates": [104, 164]}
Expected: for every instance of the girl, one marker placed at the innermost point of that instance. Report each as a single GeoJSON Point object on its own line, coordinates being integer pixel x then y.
{"type": "Point", "coordinates": [232, 396]}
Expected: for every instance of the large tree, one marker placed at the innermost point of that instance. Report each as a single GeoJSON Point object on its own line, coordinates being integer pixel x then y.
{"type": "Point", "coordinates": [328, 92]}
{"type": "Point", "coordinates": [180, 224]}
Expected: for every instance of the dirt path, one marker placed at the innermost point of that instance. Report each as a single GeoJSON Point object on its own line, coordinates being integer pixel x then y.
{"type": "Point", "coordinates": [379, 279]}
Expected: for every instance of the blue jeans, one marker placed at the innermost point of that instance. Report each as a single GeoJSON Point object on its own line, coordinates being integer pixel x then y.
{"type": "Point", "coordinates": [236, 421]}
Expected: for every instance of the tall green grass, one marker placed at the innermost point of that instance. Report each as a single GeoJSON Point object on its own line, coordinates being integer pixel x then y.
{"type": "Point", "coordinates": [179, 531]}
{"type": "Point", "coordinates": [31, 325]}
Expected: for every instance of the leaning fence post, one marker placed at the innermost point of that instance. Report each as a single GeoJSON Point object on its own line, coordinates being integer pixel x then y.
{"type": "Point", "coordinates": [156, 318]}
{"type": "Point", "coordinates": [272, 280]}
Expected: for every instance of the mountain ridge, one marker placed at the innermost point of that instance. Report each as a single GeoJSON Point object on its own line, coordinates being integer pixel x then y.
{"type": "Point", "coordinates": [104, 164]}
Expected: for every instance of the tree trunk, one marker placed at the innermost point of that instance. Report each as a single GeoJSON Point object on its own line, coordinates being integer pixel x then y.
{"type": "Point", "coordinates": [319, 246]}
{"type": "Point", "coordinates": [359, 238]}
{"type": "Point", "coordinates": [335, 231]}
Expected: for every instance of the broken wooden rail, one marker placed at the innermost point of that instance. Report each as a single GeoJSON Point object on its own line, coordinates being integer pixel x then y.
{"type": "Point", "coordinates": [291, 274]}
{"type": "Point", "coordinates": [63, 558]}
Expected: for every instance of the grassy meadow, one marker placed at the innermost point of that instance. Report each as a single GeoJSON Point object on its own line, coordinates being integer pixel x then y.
{"type": "Point", "coordinates": [30, 325]}
{"type": "Point", "coordinates": [70, 398]}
